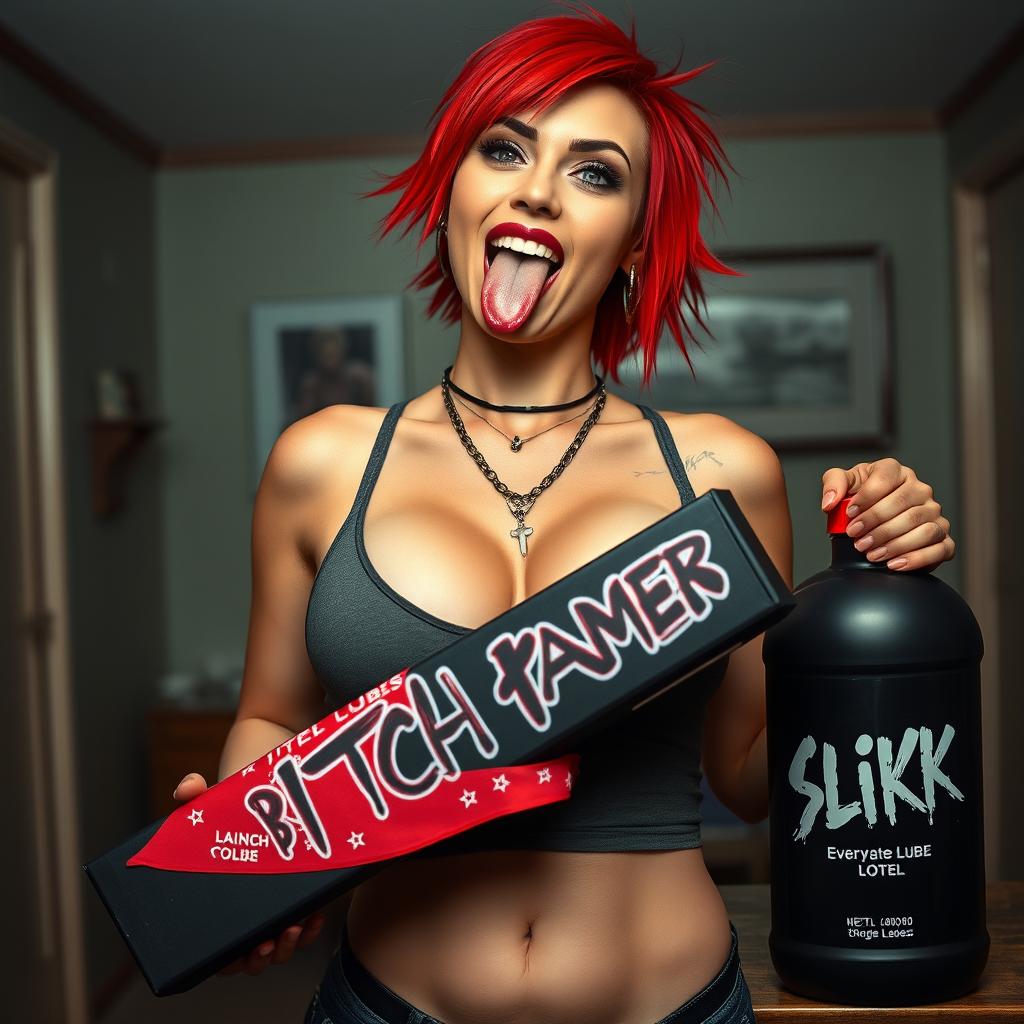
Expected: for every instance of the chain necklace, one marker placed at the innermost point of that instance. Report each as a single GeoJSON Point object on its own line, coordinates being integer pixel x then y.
{"type": "Point", "coordinates": [517, 442]}
{"type": "Point", "coordinates": [521, 504]}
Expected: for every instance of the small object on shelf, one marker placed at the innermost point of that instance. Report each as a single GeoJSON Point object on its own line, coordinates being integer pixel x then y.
{"type": "Point", "coordinates": [114, 441]}
{"type": "Point", "coordinates": [117, 394]}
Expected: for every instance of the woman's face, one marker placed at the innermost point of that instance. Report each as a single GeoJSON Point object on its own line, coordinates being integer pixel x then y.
{"type": "Point", "coordinates": [577, 173]}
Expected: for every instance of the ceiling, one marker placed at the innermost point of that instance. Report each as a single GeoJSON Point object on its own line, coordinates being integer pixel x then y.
{"type": "Point", "coordinates": [193, 73]}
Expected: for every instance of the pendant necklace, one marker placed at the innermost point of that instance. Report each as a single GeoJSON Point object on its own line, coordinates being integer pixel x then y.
{"type": "Point", "coordinates": [521, 504]}
{"type": "Point", "coordinates": [516, 443]}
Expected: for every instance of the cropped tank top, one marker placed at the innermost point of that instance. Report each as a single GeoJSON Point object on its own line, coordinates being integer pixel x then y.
{"type": "Point", "coordinates": [639, 781]}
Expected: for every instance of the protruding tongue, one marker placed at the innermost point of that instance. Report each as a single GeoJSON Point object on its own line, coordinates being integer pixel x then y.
{"type": "Point", "coordinates": [511, 288]}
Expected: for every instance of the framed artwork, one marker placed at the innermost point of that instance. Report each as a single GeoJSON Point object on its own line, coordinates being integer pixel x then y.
{"type": "Point", "coordinates": [799, 353]}
{"type": "Point", "coordinates": [308, 355]}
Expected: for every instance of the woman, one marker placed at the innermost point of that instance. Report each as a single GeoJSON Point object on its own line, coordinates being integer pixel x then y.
{"type": "Point", "coordinates": [564, 179]}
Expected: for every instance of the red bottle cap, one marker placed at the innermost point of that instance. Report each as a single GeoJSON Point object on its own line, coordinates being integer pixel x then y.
{"type": "Point", "coordinates": [838, 520]}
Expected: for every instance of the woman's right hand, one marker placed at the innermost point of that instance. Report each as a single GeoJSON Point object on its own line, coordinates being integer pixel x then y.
{"type": "Point", "coordinates": [272, 951]}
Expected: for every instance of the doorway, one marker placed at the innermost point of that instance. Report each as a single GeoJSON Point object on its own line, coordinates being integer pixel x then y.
{"type": "Point", "coordinates": [39, 860]}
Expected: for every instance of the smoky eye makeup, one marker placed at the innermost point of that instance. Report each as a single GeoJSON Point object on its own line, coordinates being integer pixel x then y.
{"type": "Point", "coordinates": [497, 150]}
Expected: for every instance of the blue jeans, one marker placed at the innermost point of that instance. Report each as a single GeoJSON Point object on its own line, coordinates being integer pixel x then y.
{"type": "Point", "coordinates": [350, 994]}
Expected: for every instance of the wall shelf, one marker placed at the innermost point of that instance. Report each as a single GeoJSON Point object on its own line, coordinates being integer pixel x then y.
{"type": "Point", "coordinates": [114, 443]}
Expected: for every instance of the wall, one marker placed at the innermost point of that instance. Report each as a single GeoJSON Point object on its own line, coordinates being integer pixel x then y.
{"type": "Point", "coordinates": [107, 300]}
{"type": "Point", "coordinates": [845, 190]}
{"type": "Point", "coordinates": [230, 237]}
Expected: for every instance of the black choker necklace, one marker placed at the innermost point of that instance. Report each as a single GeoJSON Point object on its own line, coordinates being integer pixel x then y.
{"type": "Point", "coordinates": [521, 408]}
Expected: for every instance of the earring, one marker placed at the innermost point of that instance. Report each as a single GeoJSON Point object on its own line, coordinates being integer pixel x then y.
{"type": "Point", "coordinates": [630, 294]}
{"type": "Point", "coordinates": [442, 226]}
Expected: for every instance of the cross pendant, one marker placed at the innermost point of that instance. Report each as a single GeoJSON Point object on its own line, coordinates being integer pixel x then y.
{"type": "Point", "coordinates": [520, 533]}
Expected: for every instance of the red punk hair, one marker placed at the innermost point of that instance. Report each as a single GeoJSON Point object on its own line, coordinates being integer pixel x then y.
{"type": "Point", "coordinates": [533, 65]}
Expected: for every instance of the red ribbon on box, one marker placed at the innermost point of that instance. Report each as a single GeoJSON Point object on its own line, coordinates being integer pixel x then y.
{"type": "Point", "coordinates": [334, 797]}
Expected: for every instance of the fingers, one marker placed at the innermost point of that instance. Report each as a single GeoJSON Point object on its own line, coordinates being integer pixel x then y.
{"type": "Point", "coordinates": [253, 962]}
{"type": "Point", "coordinates": [836, 482]}
{"type": "Point", "coordinates": [879, 481]}
{"type": "Point", "coordinates": [279, 952]}
{"type": "Point", "coordinates": [259, 959]}
{"type": "Point", "coordinates": [286, 945]}
{"type": "Point", "coordinates": [191, 786]}
{"type": "Point", "coordinates": [311, 929]}
{"type": "Point", "coordinates": [897, 513]}
{"type": "Point", "coordinates": [922, 547]}
{"type": "Point", "coordinates": [916, 538]}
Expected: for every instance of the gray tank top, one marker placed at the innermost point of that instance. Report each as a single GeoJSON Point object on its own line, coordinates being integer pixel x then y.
{"type": "Point", "coordinates": [639, 781]}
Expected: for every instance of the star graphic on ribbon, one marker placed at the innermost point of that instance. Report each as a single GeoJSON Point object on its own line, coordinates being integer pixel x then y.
{"type": "Point", "coordinates": [247, 771]}
{"type": "Point", "coordinates": [501, 783]}
{"type": "Point", "coordinates": [468, 797]}
{"type": "Point", "coordinates": [356, 839]}
{"type": "Point", "coordinates": [543, 774]}
{"type": "Point", "coordinates": [196, 817]}
{"type": "Point", "coordinates": [568, 780]}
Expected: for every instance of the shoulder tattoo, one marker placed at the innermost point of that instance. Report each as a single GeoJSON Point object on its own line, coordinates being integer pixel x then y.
{"type": "Point", "coordinates": [690, 462]}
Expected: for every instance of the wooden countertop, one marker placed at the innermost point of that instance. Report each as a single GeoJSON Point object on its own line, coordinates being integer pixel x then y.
{"type": "Point", "coordinates": [998, 997]}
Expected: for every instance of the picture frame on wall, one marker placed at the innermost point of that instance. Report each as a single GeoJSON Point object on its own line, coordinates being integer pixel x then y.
{"type": "Point", "coordinates": [800, 351]}
{"type": "Point", "coordinates": [307, 355]}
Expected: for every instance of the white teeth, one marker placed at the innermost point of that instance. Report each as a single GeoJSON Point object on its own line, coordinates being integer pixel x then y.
{"type": "Point", "coordinates": [527, 248]}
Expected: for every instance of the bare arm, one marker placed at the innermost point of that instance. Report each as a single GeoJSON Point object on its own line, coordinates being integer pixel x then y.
{"type": "Point", "coordinates": [734, 730]}
{"type": "Point", "coordinates": [733, 741]}
{"type": "Point", "coordinates": [280, 693]}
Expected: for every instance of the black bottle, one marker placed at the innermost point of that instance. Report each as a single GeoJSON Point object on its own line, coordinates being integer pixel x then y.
{"type": "Point", "coordinates": [875, 786]}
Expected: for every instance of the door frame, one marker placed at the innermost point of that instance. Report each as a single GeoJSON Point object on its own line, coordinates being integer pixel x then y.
{"type": "Point", "coordinates": [978, 493]}
{"type": "Point", "coordinates": [41, 488]}
{"type": "Point", "coordinates": [979, 469]}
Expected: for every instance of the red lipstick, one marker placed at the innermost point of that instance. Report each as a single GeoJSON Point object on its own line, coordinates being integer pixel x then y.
{"type": "Point", "coordinates": [538, 235]}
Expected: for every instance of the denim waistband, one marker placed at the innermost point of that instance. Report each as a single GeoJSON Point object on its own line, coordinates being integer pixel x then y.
{"type": "Point", "coordinates": [345, 968]}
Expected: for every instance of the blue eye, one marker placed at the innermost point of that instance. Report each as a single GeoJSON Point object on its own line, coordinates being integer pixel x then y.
{"type": "Point", "coordinates": [492, 146]}
{"type": "Point", "coordinates": [607, 180]}
{"type": "Point", "coordinates": [611, 179]}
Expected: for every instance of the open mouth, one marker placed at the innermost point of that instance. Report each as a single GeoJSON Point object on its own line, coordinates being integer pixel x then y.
{"type": "Point", "coordinates": [520, 264]}
{"type": "Point", "coordinates": [554, 265]}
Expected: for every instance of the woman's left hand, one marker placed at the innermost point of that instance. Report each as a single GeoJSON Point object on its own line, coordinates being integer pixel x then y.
{"type": "Point", "coordinates": [893, 515]}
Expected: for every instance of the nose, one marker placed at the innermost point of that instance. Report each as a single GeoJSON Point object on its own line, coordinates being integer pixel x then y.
{"type": "Point", "coordinates": [536, 193]}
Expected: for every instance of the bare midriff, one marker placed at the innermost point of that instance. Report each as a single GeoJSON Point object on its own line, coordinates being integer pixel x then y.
{"type": "Point", "coordinates": [539, 937]}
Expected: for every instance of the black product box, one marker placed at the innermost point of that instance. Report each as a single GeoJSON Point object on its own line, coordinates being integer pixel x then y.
{"type": "Point", "coordinates": [649, 612]}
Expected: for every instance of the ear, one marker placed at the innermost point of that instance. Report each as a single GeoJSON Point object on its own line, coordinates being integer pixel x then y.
{"type": "Point", "coordinates": [635, 255]}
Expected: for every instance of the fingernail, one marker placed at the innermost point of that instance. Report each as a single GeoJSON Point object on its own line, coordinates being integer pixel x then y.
{"type": "Point", "coordinates": [828, 499]}
{"type": "Point", "coordinates": [876, 556]}
{"type": "Point", "coordinates": [174, 795]}
{"type": "Point", "coordinates": [266, 949]}
{"type": "Point", "coordinates": [854, 528]}
{"type": "Point", "coordinates": [863, 544]}
{"type": "Point", "coordinates": [896, 563]}
{"type": "Point", "coordinates": [852, 510]}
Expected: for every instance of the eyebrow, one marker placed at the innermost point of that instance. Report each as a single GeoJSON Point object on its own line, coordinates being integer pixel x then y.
{"type": "Point", "coordinates": [576, 146]}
